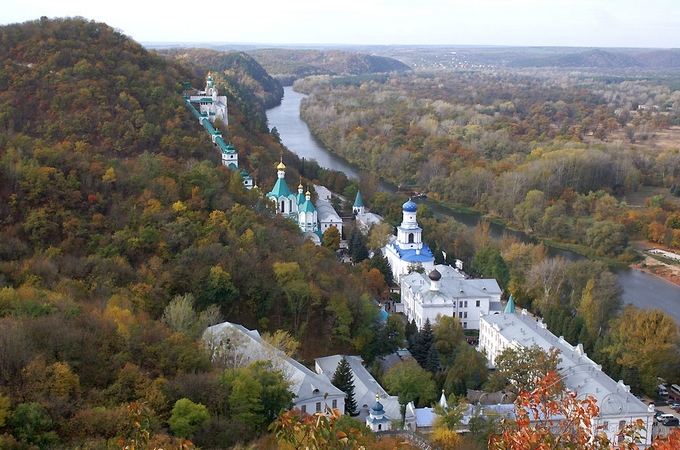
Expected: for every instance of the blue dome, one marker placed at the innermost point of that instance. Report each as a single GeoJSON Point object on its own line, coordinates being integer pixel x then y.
{"type": "Point", "coordinates": [410, 206]}
{"type": "Point", "coordinates": [377, 407]}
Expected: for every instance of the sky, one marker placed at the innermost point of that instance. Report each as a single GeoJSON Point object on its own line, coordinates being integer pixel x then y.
{"type": "Point", "coordinates": [572, 23]}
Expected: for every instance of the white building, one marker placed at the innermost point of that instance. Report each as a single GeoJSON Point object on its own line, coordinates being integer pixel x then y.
{"type": "Point", "coordinates": [407, 247]}
{"type": "Point", "coordinates": [446, 291]}
{"type": "Point", "coordinates": [328, 216]}
{"type": "Point", "coordinates": [367, 391]}
{"type": "Point", "coordinates": [618, 407]}
{"type": "Point", "coordinates": [240, 346]}
{"type": "Point", "coordinates": [209, 103]}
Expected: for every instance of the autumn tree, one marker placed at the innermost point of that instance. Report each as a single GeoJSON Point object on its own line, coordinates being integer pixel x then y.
{"type": "Point", "coordinates": [548, 418]}
{"type": "Point", "coordinates": [645, 340]}
{"type": "Point", "coordinates": [331, 238]}
{"type": "Point", "coordinates": [524, 367]}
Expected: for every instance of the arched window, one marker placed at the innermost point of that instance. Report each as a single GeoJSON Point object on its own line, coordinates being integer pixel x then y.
{"type": "Point", "coordinates": [283, 206]}
{"type": "Point", "coordinates": [379, 427]}
{"type": "Point", "coordinates": [410, 238]}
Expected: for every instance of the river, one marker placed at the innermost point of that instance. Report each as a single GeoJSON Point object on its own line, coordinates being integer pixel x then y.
{"type": "Point", "coordinates": [640, 288]}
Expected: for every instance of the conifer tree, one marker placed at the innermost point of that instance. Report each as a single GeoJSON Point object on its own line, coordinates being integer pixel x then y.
{"type": "Point", "coordinates": [344, 380]}
{"type": "Point", "coordinates": [424, 343]}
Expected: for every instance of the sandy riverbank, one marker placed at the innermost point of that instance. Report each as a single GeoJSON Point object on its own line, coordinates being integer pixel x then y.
{"type": "Point", "coordinates": [666, 271]}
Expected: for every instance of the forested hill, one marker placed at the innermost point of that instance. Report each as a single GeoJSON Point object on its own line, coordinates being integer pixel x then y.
{"type": "Point", "coordinates": [122, 236]}
{"type": "Point", "coordinates": [289, 65]}
{"type": "Point", "coordinates": [604, 59]}
{"type": "Point", "coordinates": [238, 67]}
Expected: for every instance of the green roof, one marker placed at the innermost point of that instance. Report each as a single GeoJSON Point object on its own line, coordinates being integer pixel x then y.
{"type": "Point", "coordinates": [307, 206]}
{"type": "Point", "coordinates": [510, 307]}
{"type": "Point", "coordinates": [358, 202]}
{"type": "Point", "coordinates": [280, 189]}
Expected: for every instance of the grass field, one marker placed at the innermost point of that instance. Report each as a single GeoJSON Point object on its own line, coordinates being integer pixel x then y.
{"type": "Point", "coordinates": [637, 199]}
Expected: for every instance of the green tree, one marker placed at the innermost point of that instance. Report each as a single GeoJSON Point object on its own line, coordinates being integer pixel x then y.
{"type": "Point", "coordinates": [259, 393]}
{"type": "Point", "coordinates": [344, 380]}
{"type": "Point", "coordinates": [411, 383]}
{"type": "Point", "coordinates": [32, 424]}
{"type": "Point", "coordinates": [530, 211]}
{"type": "Point", "coordinates": [187, 417]}
{"type": "Point", "coordinates": [423, 344]}
{"type": "Point", "coordinates": [468, 371]}
{"type": "Point", "coordinates": [357, 245]}
{"type": "Point", "coordinates": [218, 289]}
{"type": "Point", "coordinates": [383, 265]}
{"type": "Point", "coordinates": [298, 292]}
{"type": "Point", "coordinates": [523, 367]}
{"type": "Point", "coordinates": [607, 238]}
{"type": "Point", "coordinates": [331, 238]}
{"type": "Point", "coordinates": [448, 336]}
{"type": "Point", "coordinates": [489, 263]}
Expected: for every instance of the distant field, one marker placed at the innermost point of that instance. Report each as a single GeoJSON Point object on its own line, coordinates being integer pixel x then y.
{"type": "Point", "coordinates": [638, 198]}
{"type": "Point", "coordinates": [659, 140]}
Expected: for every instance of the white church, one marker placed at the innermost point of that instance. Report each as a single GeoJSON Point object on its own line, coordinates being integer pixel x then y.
{"type": "Point", "coordinates": [447, 291]}
{"type": "Point", "coordinates": [407, 247]}
{"type": "Point", "coordinates": [313, 218]}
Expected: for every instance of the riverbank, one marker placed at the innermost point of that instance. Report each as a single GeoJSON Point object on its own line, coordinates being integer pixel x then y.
{"type": "Point", "coordinates": [657, 266]}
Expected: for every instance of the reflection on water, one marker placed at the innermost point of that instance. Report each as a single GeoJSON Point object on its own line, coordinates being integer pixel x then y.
{"type": "Point", "coordinates": [642, 289]}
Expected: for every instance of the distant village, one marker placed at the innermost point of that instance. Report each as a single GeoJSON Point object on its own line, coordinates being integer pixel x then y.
{"type": "Point", "coordinates": [433, 290]}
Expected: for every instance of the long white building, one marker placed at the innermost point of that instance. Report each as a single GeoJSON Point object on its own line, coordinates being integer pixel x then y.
{"type": "Point", "coordinates": [241, 346]}
{"type": "Point", "coordinates": [446, 291]}
{"type": "Point", "coordinates": [618, 406]}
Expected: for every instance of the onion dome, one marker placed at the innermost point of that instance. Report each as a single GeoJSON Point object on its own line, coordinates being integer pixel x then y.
{"type": "Point", "coordinates": [377, 407]}
{"type": "Point", "coordinates": [435, 275]}
{"type": "Point", "coordinates": [410, 206]}
{"type": "Point", "coordinates": [281, 166]}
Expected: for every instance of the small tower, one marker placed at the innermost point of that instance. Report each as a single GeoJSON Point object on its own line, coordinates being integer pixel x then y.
{"type": "Point", "coordinates": [510, 307]}
{"type": "Point", "coordinates": [442, 400]}
{"type": "Point", "coordinates": [358, 207]}
{"type": "Point", "coordinates": [409, 234]}
{"type": "Point", "coordinates": [435, 278]}
{"type": "Point", "coordinates": [300, 195]}
{"type": "Point", "coordinates": [307, 215]}
{"type": "Point", "coordinates": [376, 419]}
{"type": "Point", "coordinates": [286, 202]}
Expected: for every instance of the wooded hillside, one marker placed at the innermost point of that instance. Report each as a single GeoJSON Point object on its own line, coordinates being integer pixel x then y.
{"type": "Point", "coordinates": [116, 217]}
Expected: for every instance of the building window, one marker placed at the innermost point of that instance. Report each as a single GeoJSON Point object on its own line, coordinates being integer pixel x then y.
{"type": "Point", "coordinates": [303, 408]}
{"type": "Point", "coordinates": [464, 324]}
{"type": "Point", "coordinates": [410, 237]}
{"type": "Point", "coordinates": [379, 427]}
{"type": "Point", "coordinates": [460, 304]}
{"type": "Point", "coordinates": [465, 304]}
{"type": "Point", "coordinates": [318, 406]}
{"type": "Point", "coordinates": [335, 403]}
{"type": "Point", "coordinates": [465, 315]}
{"type": "Point", "coordinates": [460, 315]}
{"type": "Point", "coordinates": [477, 303]}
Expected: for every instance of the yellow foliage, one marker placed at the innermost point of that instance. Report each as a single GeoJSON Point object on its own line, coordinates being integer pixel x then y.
{"type": "Point", "coordinates": [445, 438]}
{"type": "Point", "coordinates": [122, 317]}
{"type": "Point", "coordinates": [153, 206]}
{"type": "Point", "coordinates": [179, 207]}
{"type": "Point", "coordinates": [109, 176]}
